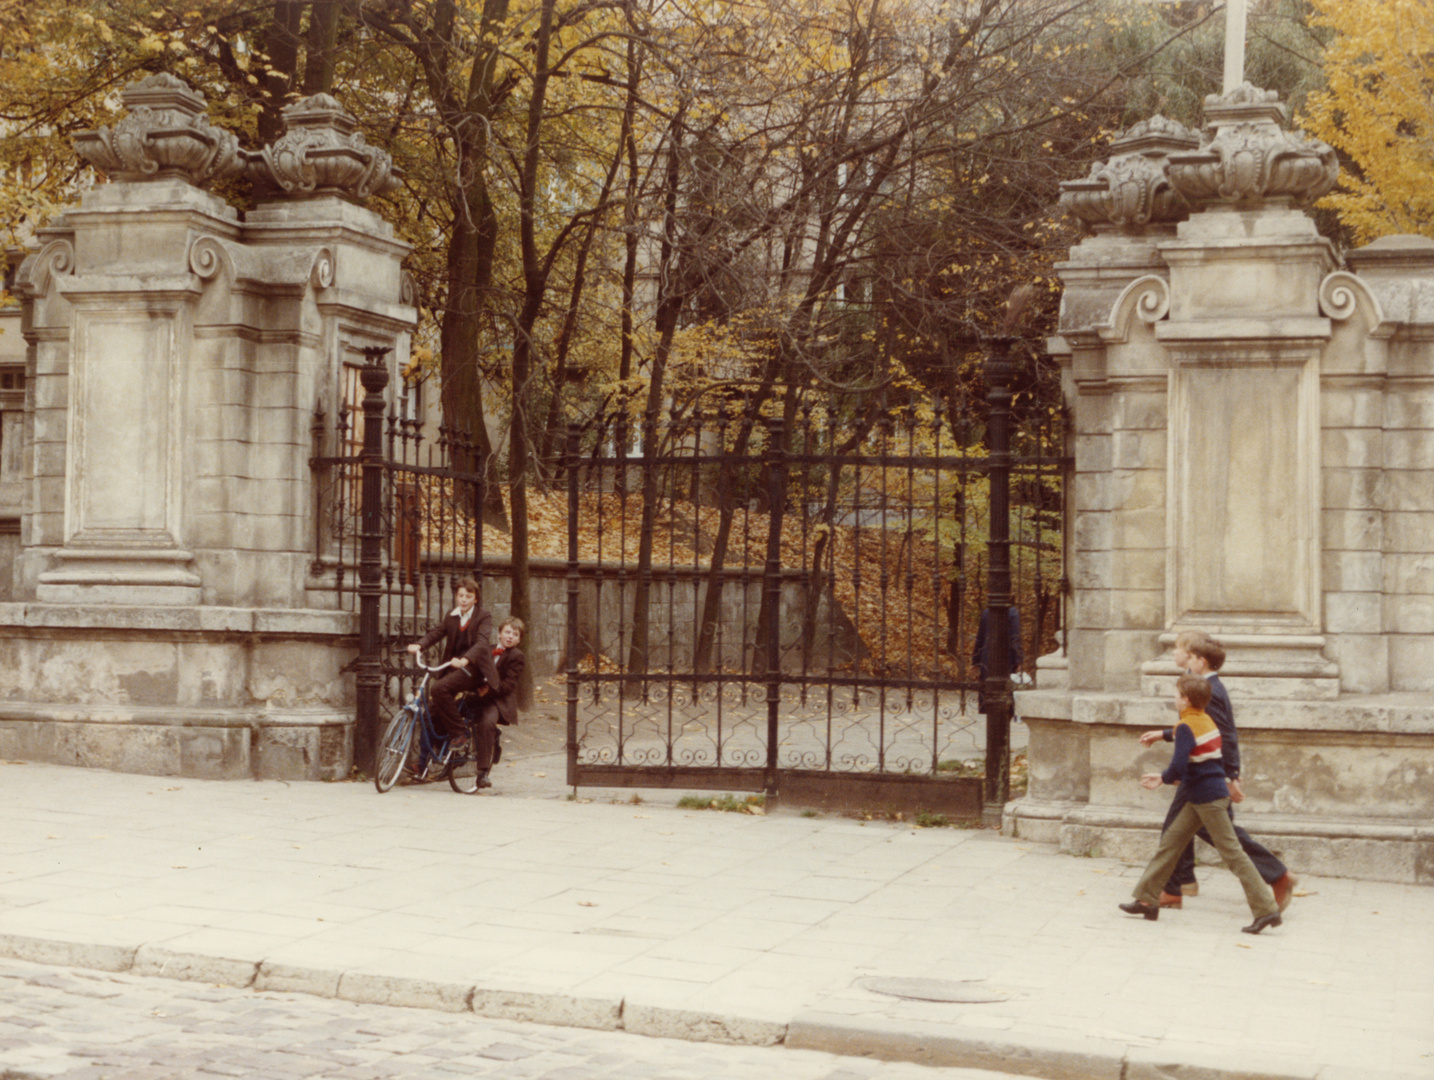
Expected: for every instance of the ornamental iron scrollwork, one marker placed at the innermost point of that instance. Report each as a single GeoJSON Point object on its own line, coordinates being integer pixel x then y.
{"type": "Point", "coordinates": [807, 615]}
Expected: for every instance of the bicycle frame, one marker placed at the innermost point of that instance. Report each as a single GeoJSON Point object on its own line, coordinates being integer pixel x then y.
{"type": "Point", "coordinates": [396, 749]}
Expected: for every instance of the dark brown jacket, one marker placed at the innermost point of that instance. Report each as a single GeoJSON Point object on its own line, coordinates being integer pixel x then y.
{"type": "Point", "coordinates": [474, 641]}
{"type": "Point", "coordinates": [510, 665]}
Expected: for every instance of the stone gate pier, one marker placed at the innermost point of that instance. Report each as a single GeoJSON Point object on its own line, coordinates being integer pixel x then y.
{"type": "Point", "coordinates": [1253, 440]}
{"type": "Point", "coordinates": [169, 612]}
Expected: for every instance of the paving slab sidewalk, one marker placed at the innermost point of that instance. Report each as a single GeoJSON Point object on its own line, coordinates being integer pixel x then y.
{"type": "Point", "coordinates": [710, 926]}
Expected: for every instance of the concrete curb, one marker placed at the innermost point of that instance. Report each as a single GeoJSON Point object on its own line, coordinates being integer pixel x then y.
{"type": "Point", "coordinates": [601, 1014]}
{"type": "Point", "coordinates": [1076, 1059]}
{"type": "Point", "coordinates": [918, 1042]}
{"type": "Point", "coordinates": [154, 961]}
{"type": "Point", "coordinates": [700, 1026]}
{"type": "Point", "coordinates": [559, 1010]}
{"type": "Point", "coordinates": [398, 990]}
{"type": "Point", "coordinates": [319, 982]}
{"type": "Point", "coordinates": [116, 958]}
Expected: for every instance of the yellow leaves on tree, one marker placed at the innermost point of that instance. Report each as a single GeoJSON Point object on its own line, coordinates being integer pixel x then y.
{"type": "Point", "coordinates": [1378, 110]}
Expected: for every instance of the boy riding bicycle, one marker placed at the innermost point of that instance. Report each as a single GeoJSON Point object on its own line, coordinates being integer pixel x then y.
{"type": "Point", "coordinates": [467, 634]}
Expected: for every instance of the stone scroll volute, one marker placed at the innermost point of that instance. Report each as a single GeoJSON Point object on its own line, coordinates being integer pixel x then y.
{"type": "Point", "coordinates": [1146, 298]}
{"type": "Point", "coordinates": [55, 259]}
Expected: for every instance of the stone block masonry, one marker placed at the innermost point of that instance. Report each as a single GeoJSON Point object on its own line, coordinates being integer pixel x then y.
{"type": "Point", "coordinates": [164, 615]}
{"type": "Point", "coordinates": [1253, 424]}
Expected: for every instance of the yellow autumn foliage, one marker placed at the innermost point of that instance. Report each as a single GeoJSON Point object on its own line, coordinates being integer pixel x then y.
{"type": "Point", "coordinates": [1378, 110]}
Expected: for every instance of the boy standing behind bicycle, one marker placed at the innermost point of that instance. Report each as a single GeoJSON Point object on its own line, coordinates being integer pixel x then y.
{"type": "Point", "coordinates": [467, 635]}
{"type": "Point", "coordinates": [501, 706]}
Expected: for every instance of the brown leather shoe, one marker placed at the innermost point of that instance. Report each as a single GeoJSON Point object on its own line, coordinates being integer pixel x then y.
{"type": "Point", "coordinates": [1262, 922]}
{"type": "Point", "coordinates": [1284, 889]}
{"type": "Point", "coordinates": [1140, 907]}
{"type": "Point", "coordinates": [1169, 900]}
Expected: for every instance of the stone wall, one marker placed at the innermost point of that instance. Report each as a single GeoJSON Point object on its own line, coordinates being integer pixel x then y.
{"type": "Point", "coordinates": [1252, 421]}
{"type": "Point", "coordinates": [165, 615]}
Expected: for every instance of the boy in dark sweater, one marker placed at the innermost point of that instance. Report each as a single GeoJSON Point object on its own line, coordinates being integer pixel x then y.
{"type": "Point", "coordinates": [1202, 655]}
{"type": "Point", "coordinates": [1197, 767]}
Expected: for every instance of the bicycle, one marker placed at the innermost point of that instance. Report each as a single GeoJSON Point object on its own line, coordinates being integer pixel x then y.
{"type": "Point", "coordinates": [397, 750]}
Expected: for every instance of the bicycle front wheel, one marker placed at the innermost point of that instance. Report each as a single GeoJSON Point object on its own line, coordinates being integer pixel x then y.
{"type": "Point", "coordinates": [392, 749]}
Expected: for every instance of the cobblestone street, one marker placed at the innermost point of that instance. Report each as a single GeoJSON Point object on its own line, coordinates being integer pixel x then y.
{"type": "Point", "coordinates": [66, 1024]}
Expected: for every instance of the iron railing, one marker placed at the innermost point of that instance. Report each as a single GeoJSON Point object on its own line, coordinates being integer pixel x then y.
{"type": "Point", "coordinates": [763, 602]}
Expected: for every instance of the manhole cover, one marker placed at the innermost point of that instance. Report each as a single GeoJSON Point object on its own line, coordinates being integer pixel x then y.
{"type": "Point", "coordinates": [968, 992]}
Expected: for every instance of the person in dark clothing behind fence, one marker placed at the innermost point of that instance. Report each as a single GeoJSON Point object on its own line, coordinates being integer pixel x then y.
{"type": "Point", "coordinates": [981, 651]}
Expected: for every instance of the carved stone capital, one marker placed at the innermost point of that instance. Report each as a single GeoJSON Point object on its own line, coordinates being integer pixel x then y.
{"type": "Point", "coordinates": [322, 154]}
{"type": "Point", "coordinates": [164, 134]}
{"type": "Point", "coordinates": [1132, 189]}
{"type": "Point", "coordinates": [1249, 156]}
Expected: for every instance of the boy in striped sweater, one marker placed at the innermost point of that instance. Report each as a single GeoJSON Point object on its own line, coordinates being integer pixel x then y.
{"type": "Point", "coordinates": [1196, 765]}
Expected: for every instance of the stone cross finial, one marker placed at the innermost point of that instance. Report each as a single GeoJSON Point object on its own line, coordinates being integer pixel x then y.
{"type": "Point", "coordinates": [1234, 45]}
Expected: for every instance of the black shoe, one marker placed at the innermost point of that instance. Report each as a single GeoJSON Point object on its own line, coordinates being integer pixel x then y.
{"type": "Point", "coordinates": [483, 780]}
{"type": "Point", "coordinates": [1262, 922]}
{"type": "Point", "coordinates": [1140, 907]}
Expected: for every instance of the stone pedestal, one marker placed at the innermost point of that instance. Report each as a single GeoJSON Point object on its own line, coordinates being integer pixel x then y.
{"type": "Point", "coordinates": [167, 616]}
{"type": "Point", "coordinates": [199, 690]}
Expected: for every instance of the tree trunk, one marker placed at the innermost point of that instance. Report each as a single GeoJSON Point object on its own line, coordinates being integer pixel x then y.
{"type": "Point", "coordinates": [621, 436]}
{"type": "Point", "coordinates": [282, 47]}
{"type": "Point", "coordinates": [669, 309]}
{"type": "Point", "coordinates": [322, 37]}
{"type": "Point", "coordinates": [471, 253]}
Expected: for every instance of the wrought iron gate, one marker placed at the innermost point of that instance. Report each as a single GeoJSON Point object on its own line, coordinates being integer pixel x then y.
{"type": "Point", "coordinates": [783, 604]}
{"type": "Point", "coordinates": [397, 526]}
{"type": "Point", "coordinates": [787, 605]}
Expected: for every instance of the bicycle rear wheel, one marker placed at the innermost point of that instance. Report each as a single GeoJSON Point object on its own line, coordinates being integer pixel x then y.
{"type": "Point", "coordinates": [463, 775]}
{"type": "Point", "coordinates": [392, 749]}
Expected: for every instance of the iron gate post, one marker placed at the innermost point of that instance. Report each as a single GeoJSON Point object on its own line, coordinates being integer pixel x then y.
{"type": "Point", "coordinates": [570, 645]}
{"type": "Point", "coordinates": [772, 586]}
{"type": "Point", "coordinates": [368, 678]}
{"type": "Point", "coordinates": [996, 686]}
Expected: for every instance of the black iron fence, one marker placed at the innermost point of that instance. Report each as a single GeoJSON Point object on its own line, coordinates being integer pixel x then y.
{"type": "Point", "coordinates": [788, 604]}
{"type": "Point", "coordinates": [784, 602]}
